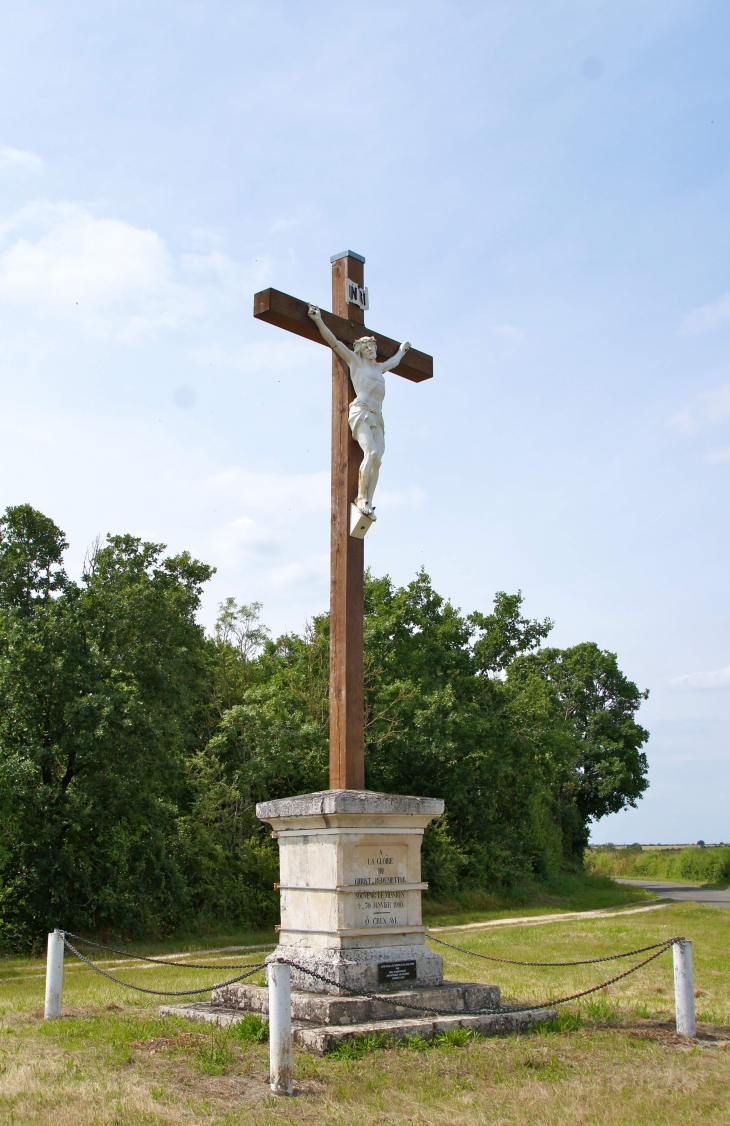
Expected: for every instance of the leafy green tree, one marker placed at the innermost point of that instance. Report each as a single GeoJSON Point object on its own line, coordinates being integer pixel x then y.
{"type": "Point", "coordinates": [98, 682]}
{"type": "Point", "coordinates": [238, 639]}
{"type": "Point", "coordinates": [437, 725]}
{"type": "Point", "coordinates": [133, 749]}
{"type": "Point", "coordinates": [599, 767]}
{"type": "Point", "coordinates": [504, 634]}
{"type": "Point", "coordinates": [31, 549]}
{"type": "Point", "coordinates": [266, 738]}
{"type": "Point", "coordinates": [464, 708]}
{"type": "Point", "coordinates": [274, 740]}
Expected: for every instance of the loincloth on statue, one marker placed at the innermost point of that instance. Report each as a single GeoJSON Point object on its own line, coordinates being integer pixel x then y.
{"type": "Point", "coordinates": [363, 412]}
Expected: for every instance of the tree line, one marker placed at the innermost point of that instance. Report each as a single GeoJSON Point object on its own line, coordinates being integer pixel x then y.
{"type": "Point", "coordinates": [134, 746]}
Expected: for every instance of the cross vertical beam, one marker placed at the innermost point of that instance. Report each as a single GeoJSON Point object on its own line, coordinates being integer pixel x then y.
{"type": "Point", "coordinates": [347, 562]}
{"type": "Point", "coordinates": [347, 323]}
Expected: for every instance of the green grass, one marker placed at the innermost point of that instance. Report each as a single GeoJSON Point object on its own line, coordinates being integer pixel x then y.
{"type": "Point", "coordinates": [26, 973]}
{"type": "Point", "coordinates": [252, 1028]}
{"type": "Point", "coordinates": [652, 988]}
{"type": "Point", "coordinates": [589, 892]}
{"type": "Point", "coordinates": [22, 980]}
{"type": "Point", "coordinates": [207, 938]}
{"type": "Point", "coordinates": [611, 1059]}
{"type": "Point", "coordinates": [361, 1046]}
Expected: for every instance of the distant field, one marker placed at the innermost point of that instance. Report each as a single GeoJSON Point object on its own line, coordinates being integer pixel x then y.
{"type": "Point", "coordinates": [676, 845]}
{"type": "Point", "coordinates": [691, 865]}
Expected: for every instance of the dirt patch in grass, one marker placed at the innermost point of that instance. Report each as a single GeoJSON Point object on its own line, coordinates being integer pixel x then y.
{"type": "Point", "coordinates": [664, 1032]}
{"type": "Point", "coordinates": [612, 1059]}
{"type": "Point", "coordinates": [132, 1069]}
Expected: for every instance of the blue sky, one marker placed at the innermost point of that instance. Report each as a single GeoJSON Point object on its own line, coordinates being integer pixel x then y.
{"type": "Point", "coordinates": [541, 192]}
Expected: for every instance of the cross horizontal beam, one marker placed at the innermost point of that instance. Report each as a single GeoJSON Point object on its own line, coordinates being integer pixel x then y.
{"type": "Point", "coordinates": [290, 313]}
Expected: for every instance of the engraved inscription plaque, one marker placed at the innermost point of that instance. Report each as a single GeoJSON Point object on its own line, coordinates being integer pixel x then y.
{"type": "Point", "coordinates": [390, 972]}
{"type": "Point", "coordinates": [380, 908]}
{"type": "Point", "coordinates": [385, 866]}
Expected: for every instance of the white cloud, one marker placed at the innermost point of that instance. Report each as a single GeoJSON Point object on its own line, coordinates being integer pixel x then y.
{"type": "Point", "coordinates": [312, 572]}
{"type": "Point", "coordinates": [508, 332]}
{"type": "Point", "coordinates": [270, 536]}
{"type": "Point", "coordinates": [412, 497]}
{"type": "Point", "coordinates": [716, 403]}
{"type": "Point", "coordinates": [273, 494]}
{"type": "Point", "coordinates": [282, 225]}
{"type": "Point", "coordinates": [105, 277]}
{"type": "Point", "coordinates": [719, 678]}
{"type": "Point", "coordinates": [266, 533]}
{"type": "Point", "coordinates": [684, 422]}
{"type": "Point", "coordinates": [213, 267]}
{"type": "Point", "coordinates": [710, 408]}
{"type": "Point", "coordinates": [707, 316]}
{"type": "Point", "coordinates": [19, 158]}
{"type": "Point", "coordinates": [287, 222]}
{"type": "Point", "coordinates": [718, 456]}
{"type": "Point", "coordinates": [243, 538]}
{"type": "Point", "coordinates": [261, 356]}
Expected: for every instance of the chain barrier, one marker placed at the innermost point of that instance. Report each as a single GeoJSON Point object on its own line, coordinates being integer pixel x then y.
{"type": "Point", "coordinates": [585, 962]}
{"type": "Point", "coordinates": [155, 961]}
{"type": "Point", "coordinates": [368, 996]}
{"type": "Point", "coordinates": [159, 992]}
{"type": "Point", "coordinates": [604, 985]}
{"type": "Point", "coordinates": [659, 947]}
{"type": "Point", "coordinates": [663, 947]}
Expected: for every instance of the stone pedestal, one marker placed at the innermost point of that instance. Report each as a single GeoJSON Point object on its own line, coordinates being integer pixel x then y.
{"type": "Point", "coordinates": [351, 912]}
{"type": "Point", "coordinates": [350, 864]}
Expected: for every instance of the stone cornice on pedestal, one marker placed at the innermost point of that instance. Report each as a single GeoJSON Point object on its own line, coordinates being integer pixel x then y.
{"type": "Point", "coordinates": [344, 808]}
{"type": "Point", "coordinates": [350, 886]}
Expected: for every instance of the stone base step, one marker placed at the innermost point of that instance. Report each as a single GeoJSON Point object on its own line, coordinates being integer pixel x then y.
{"type": "Point", "coordinates": [321, 1039]}
{"type": "Point", "coordinates": [325, 1008]}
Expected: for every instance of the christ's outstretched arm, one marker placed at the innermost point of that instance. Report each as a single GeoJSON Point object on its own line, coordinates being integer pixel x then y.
{"type": "Point", "coordinates": [336, 345]}
{"type": "Point", "coordinates": [388, 365]}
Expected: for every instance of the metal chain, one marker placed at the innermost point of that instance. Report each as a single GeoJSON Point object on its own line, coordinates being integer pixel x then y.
{"type": "Point", "coordinates": [160, 992]}
{"type": "Point", "coordinates": [597, 988]}
{"type": "Point", "coordinates": [477, 1012]}
{"type": "Point", "coordinates": [431, 938]}
{"type": "Point", "coordinates": [661, 948]}
{"type": "Point", "coordinates": [155, 961]}
{"type": "Point", "coordinates": [368, 996]}
{"type": "Point", "coordinates": [585, 962]}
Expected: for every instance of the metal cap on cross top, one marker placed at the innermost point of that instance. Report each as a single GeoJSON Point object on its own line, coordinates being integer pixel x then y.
{"type": "Point", "coordinates": [347, 254]}
{"type": "Point", "coordinates": [346, 323]}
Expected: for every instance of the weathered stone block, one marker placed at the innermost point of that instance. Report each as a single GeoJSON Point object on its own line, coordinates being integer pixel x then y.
{"type": "Point", "coordinates": [325, 1009]}
{"type": "Point", "coordinates": [350, 883]}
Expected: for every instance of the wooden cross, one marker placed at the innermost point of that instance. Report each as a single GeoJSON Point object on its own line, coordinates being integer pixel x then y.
{"type": "Point", "coordinates": [347, 322]}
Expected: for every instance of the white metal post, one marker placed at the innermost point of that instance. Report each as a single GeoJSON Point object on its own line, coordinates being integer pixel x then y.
{"type": "Point", "coordinates": [54, 975]}
{"type": "Point", "coordinates": [280, 1045]}
{"type": "Point", "coordinates": [684, 989]}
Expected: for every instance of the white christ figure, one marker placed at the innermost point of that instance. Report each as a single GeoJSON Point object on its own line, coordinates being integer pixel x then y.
{"type": "Point", "coordinates": [366, 409]}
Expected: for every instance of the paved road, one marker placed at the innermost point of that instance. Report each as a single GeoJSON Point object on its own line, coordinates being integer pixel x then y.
{"type": "Point", "coordinates": [668, 890]}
